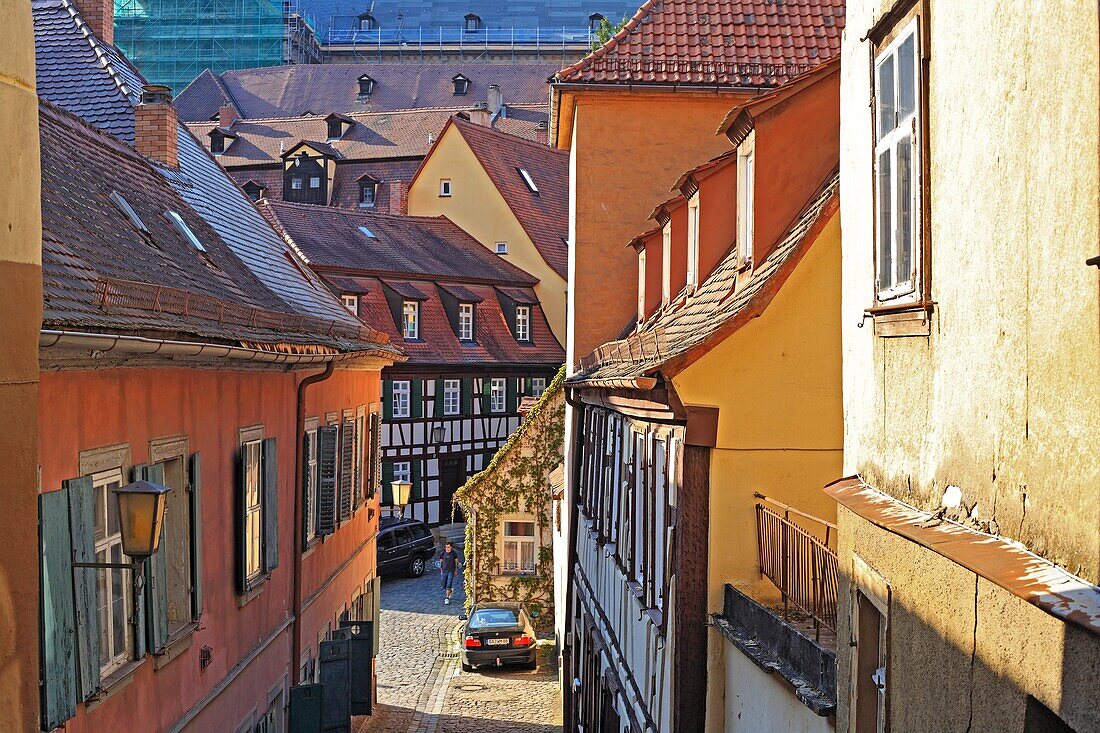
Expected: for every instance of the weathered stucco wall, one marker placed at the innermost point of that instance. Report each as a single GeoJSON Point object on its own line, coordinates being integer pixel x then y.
{"type": "Point", "coordinates": [476, 205]}
{"type": "Point", "coordinates": [1003, 398]}
{"type": "Point", "coordinates": [20, 321]}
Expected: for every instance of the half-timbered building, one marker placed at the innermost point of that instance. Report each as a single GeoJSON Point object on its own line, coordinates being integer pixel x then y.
{"type": "Point", "coordinates": [475, 334]}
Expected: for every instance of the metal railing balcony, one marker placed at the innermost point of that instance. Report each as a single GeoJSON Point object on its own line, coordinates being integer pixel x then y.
{"type": "Point", "coordinates": [458, 37]}
{"type": "Point", "coordinates": [802, 565]}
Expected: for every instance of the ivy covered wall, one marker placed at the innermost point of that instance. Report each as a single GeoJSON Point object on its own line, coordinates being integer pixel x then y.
{"type": "Point", "coordinates": [515, 481]}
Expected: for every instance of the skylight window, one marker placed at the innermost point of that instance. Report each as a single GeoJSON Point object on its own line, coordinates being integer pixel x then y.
{"type": "Point", "coordinates": [530, 182]}
{"type": "Point", "coordinates": [182, 228]}
{"type": "Point", "coordinates": [367, 232]}
{"type": "Point", "coordinates": [124, 206]}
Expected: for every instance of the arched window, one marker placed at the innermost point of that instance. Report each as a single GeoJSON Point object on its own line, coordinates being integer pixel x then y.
{"type": "Point", "coordinates": [473, 22]}
{"type": "Point", "coordinates": [367, 22]}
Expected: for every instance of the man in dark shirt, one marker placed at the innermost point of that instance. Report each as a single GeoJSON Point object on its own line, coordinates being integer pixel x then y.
{"type": "Point", "coordinates": [448, 565]}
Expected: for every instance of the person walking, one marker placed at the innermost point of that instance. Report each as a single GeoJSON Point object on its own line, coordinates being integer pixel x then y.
{"type": "Point", "coordinates": [449, 562]}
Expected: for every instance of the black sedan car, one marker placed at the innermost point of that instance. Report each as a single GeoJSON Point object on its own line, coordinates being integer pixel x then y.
{"type": "Point", "coordinates": [497, 634]}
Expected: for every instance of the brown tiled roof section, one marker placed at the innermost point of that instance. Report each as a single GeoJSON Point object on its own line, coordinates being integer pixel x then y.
{"type": "Point", "coordinates": [731, 43]}
{"type": "Point", "coordinates": [375, 136]}
{"type": "Point", "coordinates": [688, 327]}
{"type": "Point", "coordinates": [545, 215]}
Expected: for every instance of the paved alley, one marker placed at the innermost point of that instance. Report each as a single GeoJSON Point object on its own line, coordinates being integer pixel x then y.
{"type": "Point", "coordinates": [421, 687]}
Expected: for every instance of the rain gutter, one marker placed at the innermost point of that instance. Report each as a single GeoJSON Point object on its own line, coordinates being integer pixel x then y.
{"type": "Point", "coordinates": [106, 342]}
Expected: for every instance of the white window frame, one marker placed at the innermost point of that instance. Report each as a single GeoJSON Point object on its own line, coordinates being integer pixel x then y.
{"type": "Point", "coordinates": [465, 321]}
{"type": "Point", "coordinates": [501, 248]}
{"type": "Point", "coordinates": [410, 319]}
{"type": "Point", "coordinates": [452, 396]}
{"type": "Point", "coordinates": [402, 471]}
{"type": "Point", "coordinates": [498, 394]}
{"type": "Point", "coordinates": [364, 189]}
{"type": "Point", "coordinates": [906, 131]}
{"type": "Point", "coordinates": [401, 405]}
{"type": "Point", "coordinates": [666, 263]}
{"type": "Point", "coordinates": [641, 285]}
{"type": "Point", "coordinates": [313, 483]}
{"type": "Point", "coordinates": [254, 512]}
{"type": "Point", "coordinates": [181, 226]}
{"type": "Point", "coordinates": [444, 187]}
{"type": "Point", "coordinates": [538, 386]}
{"type": "Point", "coordinates": [351, 302]}
{"type": "Point", "coordinates": [518, 542]}
{"type": "Point", "coordinates": [528, 181]}
{"type": "Point", "coordinates": [296, 183]}
{"type": "Point", "coordinates": [108, 548]}
{"type": "Point", "coordinates": [523, 323]}
{"type": "Point", "coordinates": [746, 198]}
{"type": "Point", "coordinates": [314, 181]}
{"type": "Point", "coordinates": [692, 277]}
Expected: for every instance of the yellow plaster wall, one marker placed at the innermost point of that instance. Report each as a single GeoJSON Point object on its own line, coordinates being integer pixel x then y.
{"type": "Point", "coordinates": [1003, 399]}
{"type": "Point", "coordinates": [476, 205]}
{"type": "Point", "coordinates": [20, 322]}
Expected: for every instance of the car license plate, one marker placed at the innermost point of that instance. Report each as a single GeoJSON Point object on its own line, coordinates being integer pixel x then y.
{"type": "Point", "coordinates": [497, 642]}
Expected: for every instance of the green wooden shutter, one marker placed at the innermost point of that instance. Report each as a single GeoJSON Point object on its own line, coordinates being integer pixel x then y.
{"type": "Point", "coordinates": [59, 677]}
{"type": "Point", "coordinates": [387, 484]}
{"type": "Point", "coordinates": [196, 536]}
{"type": "Point", "coordinates": [271, 504]}
{"type": "Point", "coordinates": [347, 468]}
{"type": "Point", "coordinates": [417, 398]}
{"type": "Point", "coordinates": [467, 396]}
{"type": "Point", "coordinates": [511, 385]}
{"type": "Point", "coordinates": [486, 395]}
{"type": "Point", "coordinates": [375, 452]}
{"type": "Point", "coordinates": [357, 483]}
{"type": "Point", "coordinates": [387, 399]}
{"type": "Point", "coordinates": [241, 565]}
{"type": "Point", "coordinates": [326, 486]}
{"type": "Point", "coordinates": [85, 585]}
{"type": "Point", "coordinates": [156, 577]}
{"type": "Point", "coordinates": [439, 384]}
{"type": "Point", "coordinates": [417, 492]}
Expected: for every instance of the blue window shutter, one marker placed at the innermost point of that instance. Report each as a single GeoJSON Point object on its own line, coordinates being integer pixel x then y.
{"type": "Point", "coordinates": [196, 536]}
{"type": "Point", "coordinates": [58, 643]}
{"type": "Point", "coordinates": [156, 577]}
{"type": "Point", "coordinates": [241, 564]}
{"type": "Point", "coordinates": [326, 488]}
{"type": "Point", "coordinates": [85, 585]}
{"type": "Point", "coordinates": [271, 504]}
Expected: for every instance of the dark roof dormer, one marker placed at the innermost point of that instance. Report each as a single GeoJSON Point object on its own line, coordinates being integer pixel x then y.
{"type": "Point", "coordinates": [461, 84]}
{"type": "Point", "coordinates": [595, 21]}
{"type": "Point", "coordinates": [218, 137]}
{"type": "Point", "coordinates": [473, 22]}
{"type": "Point", "coordinates": [366, 85]}
{"type": "Point", "coordinates": [337, 124]}
{"type": "Point", "coordinates": [367, 22]}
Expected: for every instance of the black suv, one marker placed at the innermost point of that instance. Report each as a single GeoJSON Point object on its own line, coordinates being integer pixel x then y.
{"type": "Point", "coordinates": [404, 546]}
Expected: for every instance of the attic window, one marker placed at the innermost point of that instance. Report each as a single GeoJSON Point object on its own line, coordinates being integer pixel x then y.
{"type": "Point", "coordinates": [217, 142]}
{"type": "Point", "coordinates": [366, 86]}
{"type": "Point", "coordinates": [502, 248]}
{"type": "Point", "coordinates": [367, 22]}
{"type": "Point", "coordinates": [335, 129]}
{"type": "Point", "coordinates": [253, 190]}
{"type": "Point", "coordinates": [462, 85]}
{"type": "Point", "coordinates": [530, 182]}
{"type": "Point", "coordinates": [124, 206]}
{"type": "Point", "coordinates": [595, 21]}
{"type": "Point", "coordinates": [368, 192]}
{"type": "Point", "coordinates": [473, 22]}
{"type": "Point", "coordinates": [367, 232]}
{"type": "Point", "coordinates": [182, 228]}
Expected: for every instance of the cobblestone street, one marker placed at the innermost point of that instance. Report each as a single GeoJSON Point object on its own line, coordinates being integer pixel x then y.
{"type": "Point", "coordinates": [421, 687]}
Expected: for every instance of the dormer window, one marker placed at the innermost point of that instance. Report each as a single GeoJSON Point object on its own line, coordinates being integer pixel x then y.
{"type": "Point", "coordinates": [465, 321]}
{"type": "Point", "coordinates": [461, 84]}
{"type": "Point", "coordinates": [351, 302]}
{"type": "Point", "coordinates": [217, 142]}
{"type": "Point", "coordinates": [366, 85]}
{"type": "Point", "coordinates": [523, 323]}
{"type": "Point", "coordinates": [595, 21]}
{"type": "Point", "coordinates": [335, 129]}
{"type": "Point", "coordinates": [368, 192]}
{"type": "Point", "coordinates": [692, 278]}
{"type": "Point", "coordinates": [253, 190]}
{"type": "Point", "coordinates": [528, 181]}
{"type": "Point", "coordinates": [473, 23]}
{"type": "Point", "coordinates": [746, 167]}
{"type": "Point", "coordinates": [410, 319]}
{"type": "Point", "coordinates": [367, 22]}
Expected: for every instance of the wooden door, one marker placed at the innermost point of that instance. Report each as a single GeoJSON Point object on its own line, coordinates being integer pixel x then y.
{"type": "Point", "coordinates": [451, 478]}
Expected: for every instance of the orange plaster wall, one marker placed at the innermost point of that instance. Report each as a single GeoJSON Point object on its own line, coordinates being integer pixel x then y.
{"type": "Point", "coordinates": [717, 217]}
{"type": "Point", "coordinates": [82, 410]}
{"type": "Point", "coordinates": [630, 147]}
{"type": "Point", "coordinates": [654, 274]}
{"type": "Point", "coordinates": [677, 267]}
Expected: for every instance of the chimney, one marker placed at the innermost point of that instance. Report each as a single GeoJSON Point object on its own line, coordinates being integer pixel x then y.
{"type": "Point", "coordinates": [542, 133]}
{"type": "Point", "coordinates": [399, 197]}
{"type": "Point", "coordinates": [155, 126]}
{"type": "Point", "coordinates": [480, 114]}
{"type": "Point", "coordinates": [227, 114]}
{"type": "Point", "coordinates": [100, 17]}
{"type": "Point", "coordinates": [496, 99]}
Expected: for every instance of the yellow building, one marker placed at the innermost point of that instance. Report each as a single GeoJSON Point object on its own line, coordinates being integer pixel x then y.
{"type": "Point", "coordinates": [20, 323]}
{"type": "Point", "coordinates": [970, 519]}
{"type": "Point", "coordinates": [508, 193]}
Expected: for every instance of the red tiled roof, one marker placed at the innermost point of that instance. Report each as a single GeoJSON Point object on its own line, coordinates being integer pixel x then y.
{"type": "Point", "coordinates": [406, 289]}
{"type": "Point", "coordinates": [545, 215]}
{"type": "Point", "coordinates": [734, 43]}
{"type": "Point", "coordinates": [462, 294]}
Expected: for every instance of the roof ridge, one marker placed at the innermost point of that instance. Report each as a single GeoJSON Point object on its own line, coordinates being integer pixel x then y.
{"type": "Point", "coordinates": [351, 211]}
{"type": "Point", "coordinates": [410, 110]}
{"type": "Point", "coordinates": [526, 141]}
{"type": "Point", "coordinates": [98, 47]}
{"type": "Point", "coordinates": [639, 15]}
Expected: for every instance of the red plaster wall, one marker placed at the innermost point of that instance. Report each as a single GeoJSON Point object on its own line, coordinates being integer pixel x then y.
{"type": "Point", "coordinates": [83, 410]}
{"type": "Point", "coordinates": [678, 261]}
{"type": "Point", "coordinates": [654, 274]}
{"type": "Point", "coordinates": [717, 217]}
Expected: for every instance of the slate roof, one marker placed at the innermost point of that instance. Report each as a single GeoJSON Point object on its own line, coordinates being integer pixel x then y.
{"type": "Point", "coordinates": [545, 215]}
{"type": "Point", "coordinates": [78, 72]}
{"type": "Point", "coordinates": [402, 246]}
{"type": "Point", "coordinates": [101, 272]}
{"type": "Point", "coordinates": [345, 183]}
{"type": "Point", "coordinates": [735, 43]}
{"type": "Point", "coordinates": [294, 90]}
{"type": "Point", "coordinates": [716, 309]}
{"type": "Point", "coordinates": [375, 136]}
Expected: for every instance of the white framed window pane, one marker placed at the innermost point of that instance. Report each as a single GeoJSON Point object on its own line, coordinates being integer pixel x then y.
{"type": "Point", "coordinates": [411, 312]}
{"type": "Point", "coordinates": [314, 182]}
{"type": "Point", "coordinates": [538, 386]}
{"type": "Point", "coordinates": [884, 97]}
{"type": "Point", "coordinates": [907, 77]}
{"type": "Point", "coordinates": [497, 395]}
{"type": "Point", "coordinates": [903, 234]}
{"type": "Point", "coordinates": [885, 221]}
{"type": "Point", "coordinates": [451, 396]}
{"type": "Point", "coordinates": [296, 183]}
{"type": "Point", "coordinates": [351, 302]}
{"type": "Point", "coordinates": [523, 323]}
{"type": "Point", "coordinates": [402, 471]}
{"type": "Point", "coordinates": [466, 322]}
{"type": "Point", "coordinates": [401, 393]}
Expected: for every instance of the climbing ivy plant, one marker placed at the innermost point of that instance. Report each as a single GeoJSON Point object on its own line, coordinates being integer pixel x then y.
{"type": "Point", "coordinates": [518, 476]}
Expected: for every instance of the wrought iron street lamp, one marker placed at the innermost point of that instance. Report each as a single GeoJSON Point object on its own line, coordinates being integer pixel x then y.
{"type": "Point", "coordinates": [402, 491]}
{"type": "Point", "coordinates": [437, 434]}
{"type": "Point", "coordinates": [140, 520]}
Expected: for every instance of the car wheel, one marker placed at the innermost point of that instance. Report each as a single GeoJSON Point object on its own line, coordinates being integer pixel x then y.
{"type": "Point", "coordinates": [416, 567]}
{"type": "Point", "coordinates": [467, 667]}
{"type": "Point", "coordinates": [533, 664]}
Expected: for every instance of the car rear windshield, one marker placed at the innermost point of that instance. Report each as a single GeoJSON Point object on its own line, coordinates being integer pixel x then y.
{"type": "Point", "coordinates": [494, 617]}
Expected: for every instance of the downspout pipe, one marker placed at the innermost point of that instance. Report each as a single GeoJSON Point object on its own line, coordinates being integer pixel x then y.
{"type": "Point", "coordinates": [299, 512]}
